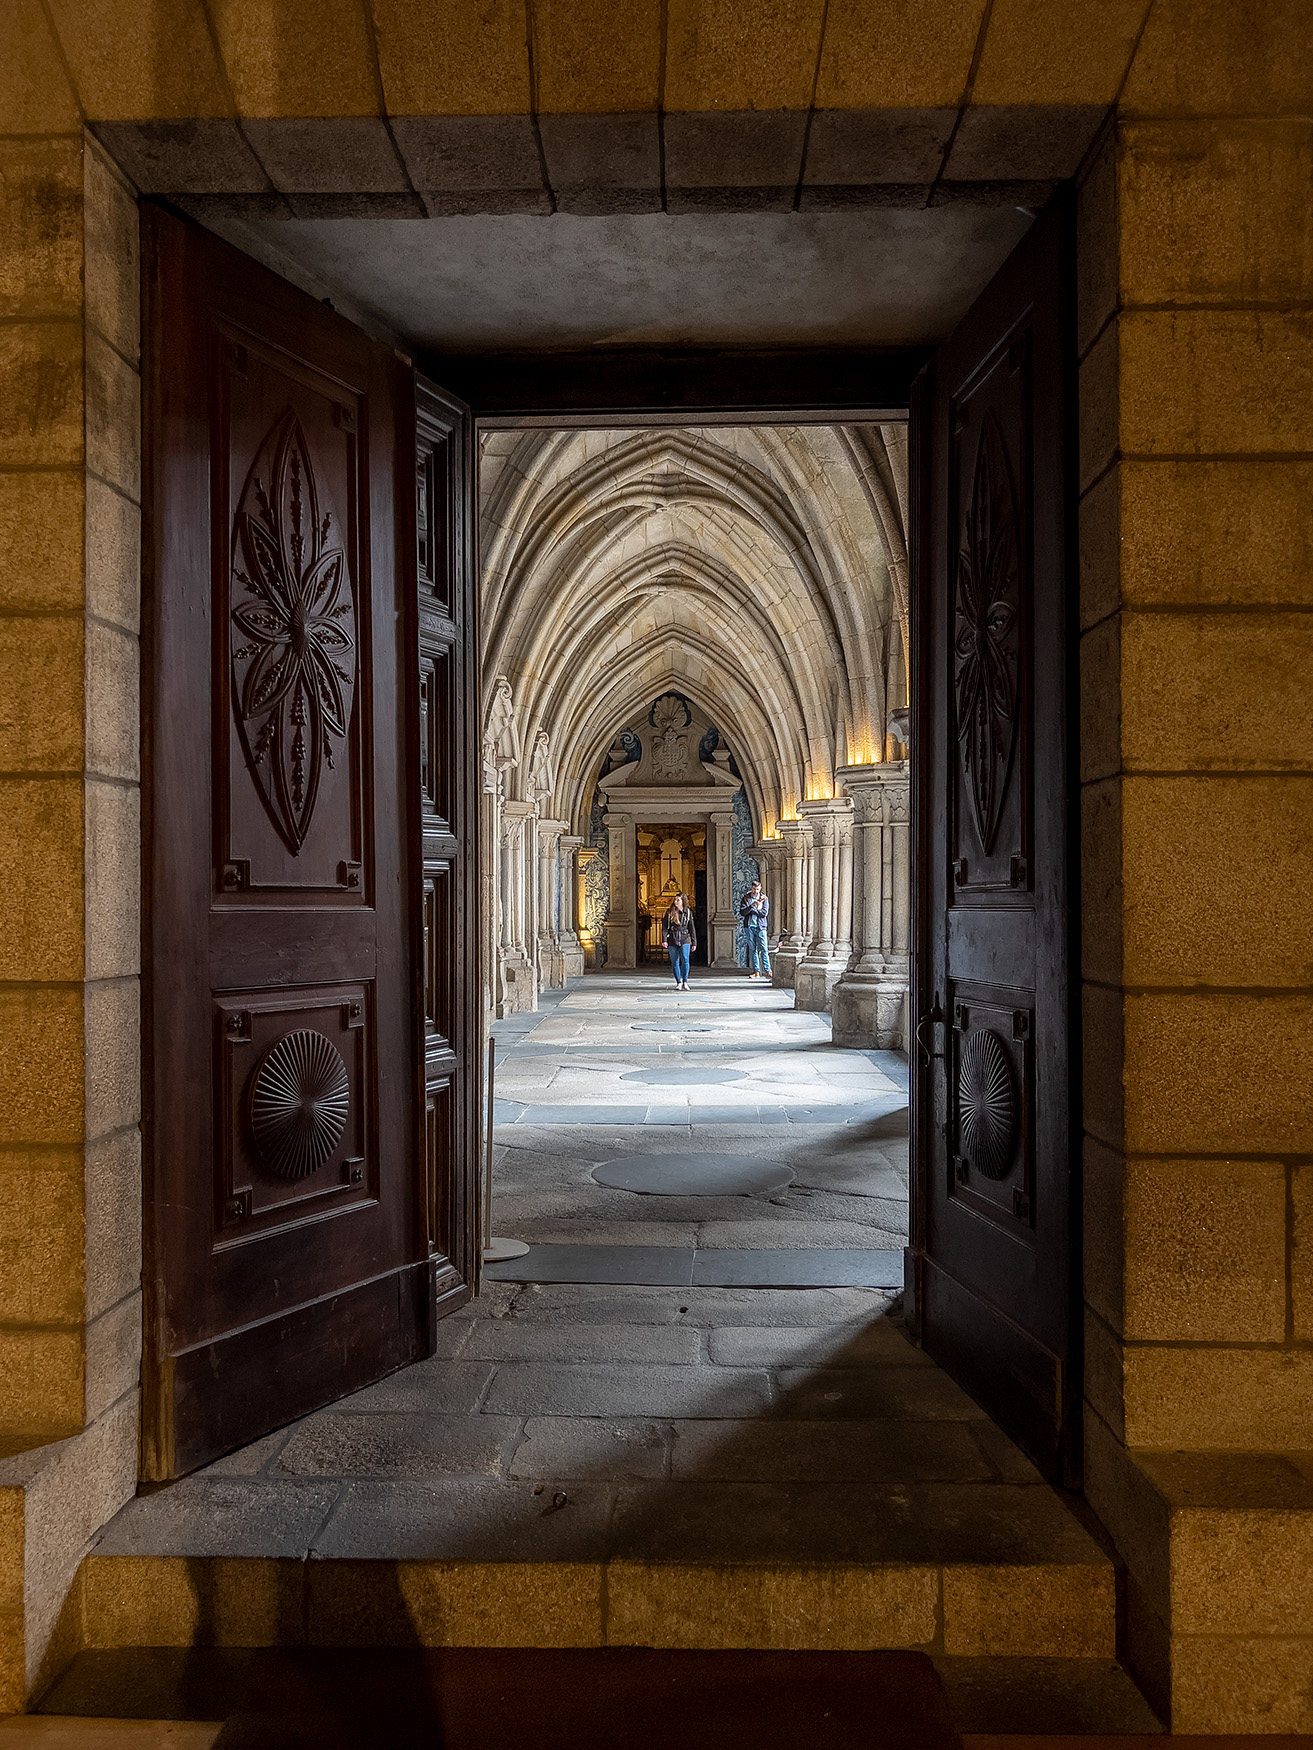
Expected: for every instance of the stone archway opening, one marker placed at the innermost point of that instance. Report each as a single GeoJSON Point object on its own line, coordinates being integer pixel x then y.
{"type": "Point", "coordinates": [695, 668]}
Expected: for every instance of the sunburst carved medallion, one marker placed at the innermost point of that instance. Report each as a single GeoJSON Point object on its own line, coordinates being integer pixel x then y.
{"type": "Point", "coordinates": [985, 633]}
{"type": "Point", "coordinates": [987, 1103]}
{"type": "Point", "coordinates": [294, 630]}
{"type": "Point", "coordinates": [299, 1102]}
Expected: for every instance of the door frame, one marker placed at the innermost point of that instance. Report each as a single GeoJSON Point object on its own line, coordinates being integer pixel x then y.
{"type": "Point", "coordinates": [674, 386]}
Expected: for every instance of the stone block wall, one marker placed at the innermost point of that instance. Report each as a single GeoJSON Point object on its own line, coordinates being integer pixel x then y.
{"type": "Point", "coordinates": [70, 1157]}
{"type": "Point", "coordinates": [1196, 391]}
{"type": "Point", "coordinates": [1196, 395]}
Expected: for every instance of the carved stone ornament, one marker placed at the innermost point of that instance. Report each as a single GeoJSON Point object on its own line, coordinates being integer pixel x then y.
{"type": "Point", "coordinates": [299, 1101]}
{"type": "Point", "coordinates": [984, 638]}
{"type": "Point", "coordinates": [294, 630]}
{"type": "Point", "coordinates": [670, 717]}
{"type": "Point", "coordinates": [987, 1103]}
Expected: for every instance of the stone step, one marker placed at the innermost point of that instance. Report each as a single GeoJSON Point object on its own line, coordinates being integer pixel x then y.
{"type": "Point", "coordinates": [646, 1699]}
{"type": "Point", "coordinates": [985, 1570]}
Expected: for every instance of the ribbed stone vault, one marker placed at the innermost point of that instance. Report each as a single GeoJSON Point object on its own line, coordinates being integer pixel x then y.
{"type": "Point", "coordinates": [760, 571]}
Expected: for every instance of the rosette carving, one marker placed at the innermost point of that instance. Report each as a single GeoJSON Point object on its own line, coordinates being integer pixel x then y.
{"type": "Point", "coordinates": [299, 1101]}
{"type": "Point", "coordinates": [294, 643]}
{"type": "Point", "coordinates": [985, 646]}
{"type": "Point", "coordinates": [987, 1103]}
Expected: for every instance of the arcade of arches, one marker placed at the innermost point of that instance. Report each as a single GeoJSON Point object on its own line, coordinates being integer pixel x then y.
{"type": "Point", "coordinates": [470, 177]}
{"type": "Point", "coordinates": [695, 675]}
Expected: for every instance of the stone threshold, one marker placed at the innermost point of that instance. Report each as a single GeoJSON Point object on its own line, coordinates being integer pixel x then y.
{"type": "Point", "coordinates": [179, 1600]}
{"type": "Point", "coordinates": [478, 1699]}
{"type": "Point", "coordinates": [697, 1267]}
{"type": "Point", "coordinates": [598, 1115]}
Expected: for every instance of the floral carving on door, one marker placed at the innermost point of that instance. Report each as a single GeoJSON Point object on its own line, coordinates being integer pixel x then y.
{"type": "Point", "coordinates": [986, 660]}
{"type": "Point", "coordinates": [294, 630]}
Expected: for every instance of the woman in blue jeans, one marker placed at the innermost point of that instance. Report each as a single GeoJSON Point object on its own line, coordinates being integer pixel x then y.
{"type": "Point", "coordinates": [679, 933]}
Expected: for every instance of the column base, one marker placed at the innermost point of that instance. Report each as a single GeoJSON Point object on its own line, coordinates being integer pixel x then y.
{"type": "Point", "coordinates": [724, 944]}
{"type": "Point", "coordinates": [619, 944]}
{"type": "Point", "coordinates": [518, 984]}
{"type": "Point", "coordinates": [815, 979]}
{"type": "Point", "coordinates": [784, 963]}
{"type": "Point", "coordinates": [551, 964]}
{"type": "Point", "coordinates": [572, 958]}
{"type": "Point", "coordinates": [870, 1012]}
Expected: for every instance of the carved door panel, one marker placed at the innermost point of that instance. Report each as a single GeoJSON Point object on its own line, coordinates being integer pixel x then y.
{"type": "Point", "coordinates": [449, 997]}
{"type": "Point", "coordinates": [991, 1272]}
{"type": "Point", "coordinates": [292, 1252]}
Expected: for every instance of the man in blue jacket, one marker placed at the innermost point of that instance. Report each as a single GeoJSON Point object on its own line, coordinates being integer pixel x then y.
{"type": "Point", "coordinates": [754, 911]}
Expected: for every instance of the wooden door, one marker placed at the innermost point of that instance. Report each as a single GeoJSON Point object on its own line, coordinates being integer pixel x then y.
{"type": "Point", "coordinates": [992, 1273]}
{"type": "Point", "coordinates": [303, 1225]}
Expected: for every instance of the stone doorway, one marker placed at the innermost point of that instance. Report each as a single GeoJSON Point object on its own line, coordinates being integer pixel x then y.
{"type": "Point", "coordinates": [671, 859]}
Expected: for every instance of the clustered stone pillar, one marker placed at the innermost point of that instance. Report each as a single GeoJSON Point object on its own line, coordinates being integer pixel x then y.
{"type": "Point", "coordinates": [831, 825]}
{"type": "Point", "coordinates": [517, 974]}
{"type": "Point", "coordinates": [567, 909]}
{"type": "Point", "coordinates": [869, 1002]}
{"type": "Point", "coordinates": [621, 925]}
{"type": "Point", "coordinates": [791, 905]}
{"type": "Point", "coordinates": [722, 921]}
{"type": "Point", "coordinates": [551, 964]}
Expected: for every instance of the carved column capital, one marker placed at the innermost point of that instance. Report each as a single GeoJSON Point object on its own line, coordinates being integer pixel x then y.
{"type": "Point", "coordinates": [879, 793]}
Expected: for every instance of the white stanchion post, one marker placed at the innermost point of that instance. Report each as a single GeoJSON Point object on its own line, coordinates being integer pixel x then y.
{"type": "Point", "coordinates": [495, 1250]}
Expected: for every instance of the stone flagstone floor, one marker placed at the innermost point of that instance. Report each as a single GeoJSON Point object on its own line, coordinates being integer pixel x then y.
{"type": "Point", "coordinates": [655, 1425]}
{"type": "Point", "coordinates": [624, 1064]}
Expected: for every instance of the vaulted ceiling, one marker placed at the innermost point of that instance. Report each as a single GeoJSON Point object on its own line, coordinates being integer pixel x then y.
{"type": "Point", "coordinates": [759, 570]}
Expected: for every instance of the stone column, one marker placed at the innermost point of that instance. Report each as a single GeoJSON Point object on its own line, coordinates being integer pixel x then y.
{"type": "Point", "coordinates": [621, 920]}
{"type": "Point", "coordinates": [722, 920]}
{"type": "Point", "coordinates": [828, 952]}
{"type": "Point", "coordinates": [591, 947]}
{"type": "Point", "coordinates": [569, 893]}
{"type": "Point", "coordinates": [843, 889]}
{"type": "Point", "coordinates": [551, 971]}
{"type": "Point", "coordinates": [870, 1000]}
{"type": "Point", "coordinates": [517, 983]}
{"type": "Point", "coordinates": [795, 840]}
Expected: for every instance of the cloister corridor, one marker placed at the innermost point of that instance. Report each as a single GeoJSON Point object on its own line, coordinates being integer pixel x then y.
{"type": "Point", "coordinates": [666, 1415]}
{"type": "Point", "coordinates": [469, 474]}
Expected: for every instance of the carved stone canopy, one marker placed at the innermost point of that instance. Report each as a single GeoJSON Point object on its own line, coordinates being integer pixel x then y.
{"type": "Point", "coordinates": [671, 735]}
{"type": "Point", "coordinates": [542, 766]}
{"type": "Point", "coordinates": [501, 732]}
